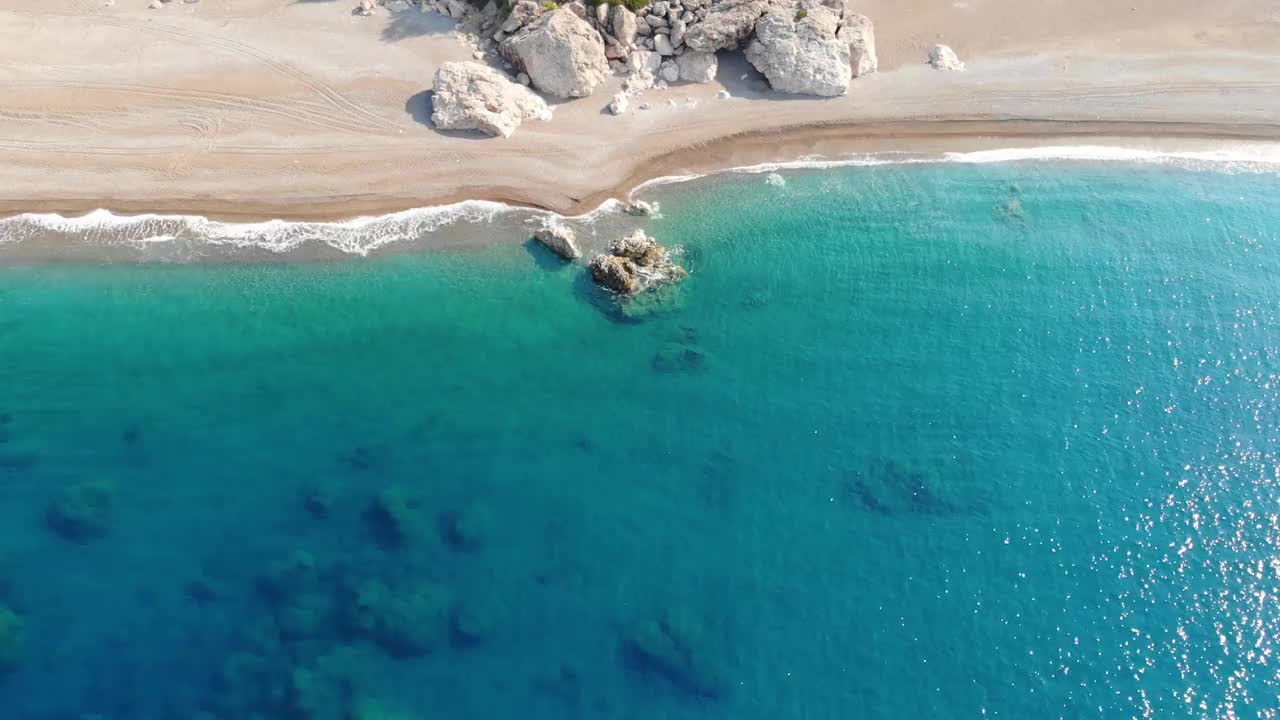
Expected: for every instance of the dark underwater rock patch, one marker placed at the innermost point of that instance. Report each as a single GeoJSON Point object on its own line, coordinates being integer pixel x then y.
{"type": "Point", "coordinates": [81, 512]}
{"type": "Point", "coordinates": [890, 488]}
{"type": "Point", "coordinates": [676, 647]}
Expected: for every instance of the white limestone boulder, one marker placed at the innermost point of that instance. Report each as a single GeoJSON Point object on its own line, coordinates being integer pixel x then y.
{"type": "Point", "coordinates": [858, 32]}
{"type": "Point", "coordinates": [798, 52]}
{"type": "Point", "coordinates": [942, 57]}
{"type": "Point", "coordinates": [727, 25]}
{"type": "Point", "coordinates": [472, 96]}
{"type": "Point", "coordinates": [561, 52]}
{"type": "Point", "coordinates": [697, 67]}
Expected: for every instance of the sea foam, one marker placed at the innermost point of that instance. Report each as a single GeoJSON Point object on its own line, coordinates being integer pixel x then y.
{"type": "Point", "coordinates": [363, 235]}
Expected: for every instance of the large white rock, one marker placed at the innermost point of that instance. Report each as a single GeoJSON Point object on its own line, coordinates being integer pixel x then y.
{"type": "Point", "coordinates": [860, 35]}
{"type": "Point", "coordinates": [624, 26]}
{"type": "Point", "coordinates": [471, 96]}
{"type": "Point", "coordinates": [559, 239]}
{"type": "Point", "coordinates": [801, 55]}
{"type": "Point", "coordinates": [562, 54]}
{"type": "Point", "coordinates": [697, 67]}
{"type": "Point", "coordinates": [644, 66]}
{"type": "Point", "coordinates": [942, 57]}
{"type": "Point", "coordinates": [678, 29]}
{"type": "Point", "coordinates": [669, 71]}
{"type": "Point", "coordinates": [727, 25]}
{"type": "Point", "coordinates": [662, 44]}
{"type": "Point", "coordinates": [522, 13]}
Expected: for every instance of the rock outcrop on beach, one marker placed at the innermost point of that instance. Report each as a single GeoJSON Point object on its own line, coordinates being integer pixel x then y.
{"type": "Point", "coordinates": [471, 96]}
{"type": "Point", "coordinates": [727, 25]}
{"type": "Point", "coordinates": [859, 34]}
{"type": "Point", "coordinates": [563, 55]}
{"type": "Point", "coordinates": [942, 57]}
{"type": "Point", "coordinates": [812, 47]}
{"type": "Point", "coordinates": [635, 263]}
{"type": "Point", "coordinates": [799, 53]}
{"type": "Point", "coordinates": [559, 239]}
{"type": "Point", "coordinates": [697, 67]}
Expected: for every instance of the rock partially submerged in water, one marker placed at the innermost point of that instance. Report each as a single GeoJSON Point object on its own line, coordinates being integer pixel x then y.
{"type": "Point", "coordinates": [471, 96]}
{"type": "Point", "coordinates": [639, 208]}
{"type": "Point", "coordinates": [559, 239]}
{"type": "Point", "coordinates": [81, 512]}
{"type": "Point", "coordinates": [635, 263]}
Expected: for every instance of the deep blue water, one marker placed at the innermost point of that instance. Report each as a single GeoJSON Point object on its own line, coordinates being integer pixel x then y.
{"type": "Point", "coordinates": [935, 441]}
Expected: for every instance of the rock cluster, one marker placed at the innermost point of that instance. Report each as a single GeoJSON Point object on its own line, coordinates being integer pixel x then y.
{"type": "Point", "coordinates": [635, 263]}
{"type": "Point", "coordinates": [471, 96]}
{"type": "Point", "coordinates": [812, 47]}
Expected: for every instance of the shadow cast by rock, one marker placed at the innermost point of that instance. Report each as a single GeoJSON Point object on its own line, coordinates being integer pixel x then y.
{"type": "Point", "coordinates": [418, 107]}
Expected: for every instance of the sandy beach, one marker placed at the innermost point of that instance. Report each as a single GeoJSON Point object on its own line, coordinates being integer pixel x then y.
{"type": "Point", "coordinates": [255, 109]}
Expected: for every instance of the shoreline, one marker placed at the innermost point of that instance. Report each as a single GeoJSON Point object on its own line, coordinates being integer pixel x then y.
{"type": "Point", "coordinates": [207, 108]}
{"type": "Point", "coordinates": [793, 147]}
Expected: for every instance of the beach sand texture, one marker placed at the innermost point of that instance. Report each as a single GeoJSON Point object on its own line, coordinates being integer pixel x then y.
{"type": "Point", "coordinates": [255, 109]}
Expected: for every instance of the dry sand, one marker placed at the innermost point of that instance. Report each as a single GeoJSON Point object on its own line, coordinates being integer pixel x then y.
{"type": "Point", "coordinates": [253, 109]}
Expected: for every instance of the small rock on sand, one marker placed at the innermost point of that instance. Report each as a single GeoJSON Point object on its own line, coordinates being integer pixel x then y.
{"type": "Point", "coordinates": [942, 57]}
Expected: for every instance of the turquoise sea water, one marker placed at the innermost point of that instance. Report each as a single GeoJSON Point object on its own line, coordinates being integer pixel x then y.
{"type": "Point", "coordinates": [941, 441]}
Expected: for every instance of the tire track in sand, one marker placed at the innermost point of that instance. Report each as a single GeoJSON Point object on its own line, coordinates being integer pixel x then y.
{"type": "Point", "coordinates": [324, 90]}
{"type": "Point", "coordinates": [295, 112]}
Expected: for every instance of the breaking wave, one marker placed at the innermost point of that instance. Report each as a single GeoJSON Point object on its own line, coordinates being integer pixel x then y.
{"type": "Point", "coordinates": [102, 233]}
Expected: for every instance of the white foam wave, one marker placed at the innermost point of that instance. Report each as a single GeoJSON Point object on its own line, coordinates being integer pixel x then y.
{"type": "Point", "coordinates": [363, 235]}
{"type": "Point", "coordinates": [356, 236]}
{"type": "Point", "coordinates": [1263, 155]}
{"type": "Point", "coordinates": [1251, 157]}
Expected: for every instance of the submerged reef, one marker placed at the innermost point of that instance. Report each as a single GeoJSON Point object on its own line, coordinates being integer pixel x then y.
{"type": "Point", "coordinates": [889, 487]}
{"type": "Point", "coordinates": [474, 622]}
{"type": "Point", "coordinates": [468, 529]}
{"type": "Point", "coordinates": [81, 512]}
{"type": "Point", "coordinates": [397, 517]}
{"type": "Point", "coordinates": [680, 354]}
{"type": "Point", "coordinates": [320, 498]}
{"type": "Point", "coordinates": [404, 621]}
{"type": "Point", "coordinates": [11, 641]}
{"type": "Point", "coordinates": [676, 647]}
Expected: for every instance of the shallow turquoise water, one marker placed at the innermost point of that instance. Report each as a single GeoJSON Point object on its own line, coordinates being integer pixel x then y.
{"type": "Point", "coordinates": [913, 441]}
